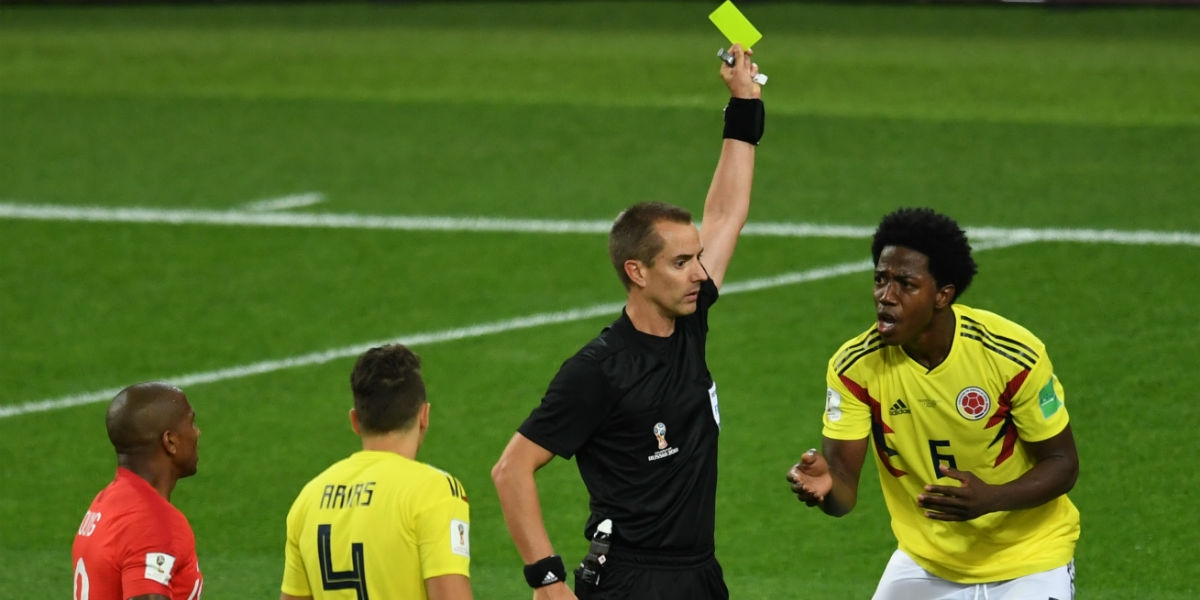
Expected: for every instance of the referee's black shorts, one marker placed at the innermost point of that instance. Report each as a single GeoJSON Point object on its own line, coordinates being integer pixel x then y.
{"type": "Point", "coordinates": [700, 579]}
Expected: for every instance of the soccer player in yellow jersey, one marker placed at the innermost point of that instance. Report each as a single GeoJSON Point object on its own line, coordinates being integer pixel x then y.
{"type": "Point", "coordinates": [968, 427]}
{"type": "Point", "coordinates": [378, 524]}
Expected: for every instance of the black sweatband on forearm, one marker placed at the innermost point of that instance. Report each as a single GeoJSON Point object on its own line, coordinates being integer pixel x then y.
{"type": "Point", "coordinates": [744, 119]}
{"type": "Point", "coordinates": [546, 571]}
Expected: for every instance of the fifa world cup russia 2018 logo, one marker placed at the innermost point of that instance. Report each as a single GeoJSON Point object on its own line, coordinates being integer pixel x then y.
{"type": "Point", "coordinates": [973, 404]}
{"type": "Point", "coordinates": [660, 432]}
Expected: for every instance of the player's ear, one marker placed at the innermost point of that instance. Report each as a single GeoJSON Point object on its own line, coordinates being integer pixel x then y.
{"type": "Point", "coordinates": [636, 272]}
{"type": "Point", "coordinates": [167, 439]}
{"type": "Point", "coordinates": [423, 417]}
{"type": "Point", "coordinates": [944, 296]}
{"type": "Point", "coordinates": [354, 424]}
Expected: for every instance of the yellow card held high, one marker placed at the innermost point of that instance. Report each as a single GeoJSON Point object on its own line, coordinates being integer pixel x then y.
{"type": "Point", "coordinates": [734, 25]}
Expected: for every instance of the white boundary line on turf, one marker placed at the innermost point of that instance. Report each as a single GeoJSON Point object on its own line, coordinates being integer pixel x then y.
{"type": "Point", "coordinates": [285, 202]}
{"type": "Point", "coordinates": [243, 218]}
{"type": "Point", "coordinates": [448, 335]}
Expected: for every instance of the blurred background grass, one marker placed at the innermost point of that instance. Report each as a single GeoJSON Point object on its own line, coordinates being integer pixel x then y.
{"type": "Point", "coordinates": [1003, 116]}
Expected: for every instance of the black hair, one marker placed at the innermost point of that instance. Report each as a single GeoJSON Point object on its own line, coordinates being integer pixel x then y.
{"type": "Point", "coordinates": [935, 235]}
{"type": "Point", "coordinates": [388, 388]}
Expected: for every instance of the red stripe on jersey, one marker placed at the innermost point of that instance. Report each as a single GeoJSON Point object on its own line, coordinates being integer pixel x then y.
{"type": "Point", "coordinates": [878, 427]}
{"type": "Point", "coordinates": [1008, 431]}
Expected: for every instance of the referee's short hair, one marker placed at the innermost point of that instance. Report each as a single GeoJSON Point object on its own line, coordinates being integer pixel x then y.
{"type": "Point", "coordinates": [388, 388]}
{"type": "Point", "coordinates": [634, 235]}
{"type": "Point", "coordinates": [935, 235]}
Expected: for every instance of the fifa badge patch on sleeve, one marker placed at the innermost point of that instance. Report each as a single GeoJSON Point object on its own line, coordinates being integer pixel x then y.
{"type": "Point", "coordinates": [1048, 399]}
{"type": "Point", "coordinates": [159, 566]}
{"type": "Point", "coordinates": [833, 405]}
{"type": "Point", "coordinates": [460, 538]}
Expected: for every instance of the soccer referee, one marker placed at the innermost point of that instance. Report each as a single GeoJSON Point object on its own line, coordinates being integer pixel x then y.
{"type": "Point", "coordinates": [636, 406]}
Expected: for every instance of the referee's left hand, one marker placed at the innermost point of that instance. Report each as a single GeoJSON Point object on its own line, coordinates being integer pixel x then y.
{"type": "Point", "coordinates": [972, 499]}
{"type": "Point", "coordinates": [554, 591]}
{"type": "Point", "coordinates": [740, 76]}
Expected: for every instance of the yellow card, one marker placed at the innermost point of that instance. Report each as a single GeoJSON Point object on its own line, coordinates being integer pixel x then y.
{"type": "Point", "coordinates": [736, 27]}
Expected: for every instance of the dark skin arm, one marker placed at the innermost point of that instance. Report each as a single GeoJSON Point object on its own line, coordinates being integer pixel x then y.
{"type": "Point", "coordinates": [829, 479]}
{"type": "Point", "coordinates": [833, 484]}
{"type": "Point", "coordinates": [1053, 475]}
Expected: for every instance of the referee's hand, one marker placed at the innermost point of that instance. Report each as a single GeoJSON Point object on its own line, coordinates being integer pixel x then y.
{"type": "Point", "coordinates": [740, 76]}
{"type": "Point", "coordinates": [554, 591]}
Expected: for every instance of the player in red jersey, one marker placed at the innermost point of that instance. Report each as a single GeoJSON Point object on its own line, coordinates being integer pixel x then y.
{"type": "Point", "coordinates": [132, 543]}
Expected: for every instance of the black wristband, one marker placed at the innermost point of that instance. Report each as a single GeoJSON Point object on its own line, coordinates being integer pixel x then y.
{"type": "Point", "coordinates": [744, 119]}
{"type": "Point", "coordinates": [546, 571]}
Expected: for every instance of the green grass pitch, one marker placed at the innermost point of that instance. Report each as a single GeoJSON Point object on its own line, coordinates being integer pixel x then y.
{"type": "Point", "coordinates": [1081, 125]}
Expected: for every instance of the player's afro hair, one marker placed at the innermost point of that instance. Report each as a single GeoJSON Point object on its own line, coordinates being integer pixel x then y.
{"type": "Point", "coordinates": [936, 236]}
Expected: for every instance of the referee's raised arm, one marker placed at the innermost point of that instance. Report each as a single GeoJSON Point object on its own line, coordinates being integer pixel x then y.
{"type": "Point", "coordinates": [728, 202]}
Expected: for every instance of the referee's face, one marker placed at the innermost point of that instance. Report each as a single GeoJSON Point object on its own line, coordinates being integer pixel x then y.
{"type": "Point", "coordinates": [673, 282]}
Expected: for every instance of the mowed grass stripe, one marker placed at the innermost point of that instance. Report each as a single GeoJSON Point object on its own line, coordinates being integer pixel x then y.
{"type": "Point", "coordinates": [471, 331]}
{"type": "Point", "coordinates": [324, 356]}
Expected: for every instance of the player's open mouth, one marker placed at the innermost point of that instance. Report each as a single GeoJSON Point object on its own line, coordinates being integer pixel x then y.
{"type": "Point", "coordinates": [885, 323]}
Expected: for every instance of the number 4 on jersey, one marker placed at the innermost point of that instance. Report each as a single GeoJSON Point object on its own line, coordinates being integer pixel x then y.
{"type": "Point", "coordinates": [354, 579]}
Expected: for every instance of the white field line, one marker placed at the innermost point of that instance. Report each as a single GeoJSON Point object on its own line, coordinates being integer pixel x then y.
{"type": "Point", "coordinates": [988, 238]}
{"type": "Point", "coordinates": [285, 202]}
{"type": "Point", "coordinates": [92, 214]}
{"type": "Point", "coordinates": [836, 270]}
{"type": "Point", "coordinates": [267, 219]}
{"type": "Point", "coordinates": [434, 337]}
{"type": "Point", "coordinates": [324, 356]}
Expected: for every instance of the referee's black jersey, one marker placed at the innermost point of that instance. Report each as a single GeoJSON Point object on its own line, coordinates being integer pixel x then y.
{"type": "Point", "coordinates": [640, 415]}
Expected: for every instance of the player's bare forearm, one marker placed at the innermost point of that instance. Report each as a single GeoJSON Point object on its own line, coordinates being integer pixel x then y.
{"type": "Point", "coordinates": [843, 493]}
{"type": "Point", "coordinates": [829, 479]}
{"type": "Point", "coordinates": [839, 501]}
{"type": "Point", "coordinates": [448, 587]}
{"type": "Point", "coordinates": [1053, 475]}
{"type": "Point", "coordinates": [845, 459]}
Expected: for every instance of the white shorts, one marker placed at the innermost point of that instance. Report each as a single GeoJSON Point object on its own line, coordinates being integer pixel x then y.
{"type": "Point", "coordinates": [904, 579]}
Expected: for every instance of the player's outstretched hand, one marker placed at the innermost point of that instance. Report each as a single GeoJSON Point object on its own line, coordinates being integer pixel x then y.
{"type": "Point", "coordinates": [810, 478]}
{"type": "Point", "coordinates": [958, 503]}
{"type": "Point", "coordinates": [740, 77]}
